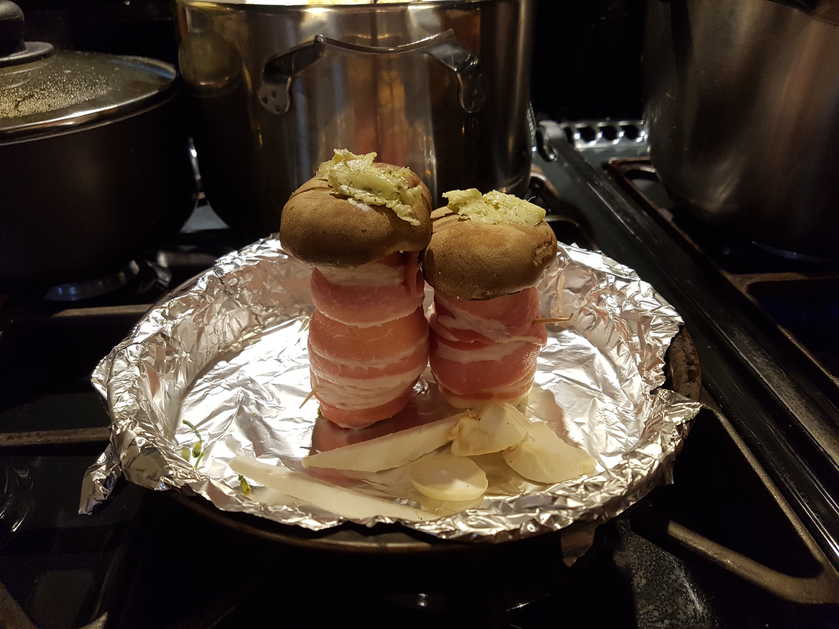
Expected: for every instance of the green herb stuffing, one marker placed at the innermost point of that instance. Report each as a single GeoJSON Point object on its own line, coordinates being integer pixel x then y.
{"type": "Point", "coordinates": [356, 177]}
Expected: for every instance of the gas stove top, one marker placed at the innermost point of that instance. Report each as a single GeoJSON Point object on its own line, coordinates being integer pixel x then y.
{"type": "Point", "coordinates": [144, 560]}
{"type": "Point", "coordinates": [797, 292]}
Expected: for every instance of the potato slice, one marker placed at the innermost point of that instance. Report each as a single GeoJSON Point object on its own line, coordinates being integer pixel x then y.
{"type": "Point", "coordinates": [338, 500]}
{"type": "Point", "coordinates": [545, 458]}
{"type": "Point", "coordinates": [388, 451]}
{"type": "Point", "coordinates": [444, 476]}
{"type": "Point", "coordinates": [496, 427]}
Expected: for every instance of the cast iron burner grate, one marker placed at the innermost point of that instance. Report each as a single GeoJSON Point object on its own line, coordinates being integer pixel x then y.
{"type": "Point", "coordinates": [62, 569]}
{"type": "Point", "coordinates": [798, 293]}
{"type": "Point", "coordinates": [49, 344]}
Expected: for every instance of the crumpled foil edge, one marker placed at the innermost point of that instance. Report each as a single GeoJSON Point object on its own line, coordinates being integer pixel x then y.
{"type": "Point", "coordinates": [240, 298]}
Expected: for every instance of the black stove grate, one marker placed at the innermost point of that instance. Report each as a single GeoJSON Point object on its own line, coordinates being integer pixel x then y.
{"type": "Point", "coordinates": [798, 293]}
{"type": "Point", "coordinates": [144, 560]}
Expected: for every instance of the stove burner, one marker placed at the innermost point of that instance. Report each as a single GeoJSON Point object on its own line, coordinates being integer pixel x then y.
{"type": "Point", "coordinates": [139, 279]}
{"type": "Point", "coordinates": [796, 291]}
{"type": "Point", "coordinates": [69, 570]}
{"type": "Point", "coordinates": [88, 289]}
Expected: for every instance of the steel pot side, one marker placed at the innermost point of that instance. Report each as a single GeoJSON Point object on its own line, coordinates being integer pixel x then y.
{"type": "Point", "coordinates": [742, 107]}
{"type": "Point", "coordinates": [442, 88]}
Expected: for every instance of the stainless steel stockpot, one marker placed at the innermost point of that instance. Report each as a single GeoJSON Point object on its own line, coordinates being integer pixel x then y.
{"type": "Point", "coordinates": [440, 86]}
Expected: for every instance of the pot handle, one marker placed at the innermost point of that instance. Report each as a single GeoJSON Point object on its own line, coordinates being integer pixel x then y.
{"type": "Point", "coordinates": [279, 71]}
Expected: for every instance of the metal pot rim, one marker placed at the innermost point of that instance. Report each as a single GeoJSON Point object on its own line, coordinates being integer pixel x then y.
{"type": "Point", "coordinates": [80, 126]}
{"type": "Point", "coordinates": [118, 95]}
{"type": "Point", "coordinates": [320, 4]}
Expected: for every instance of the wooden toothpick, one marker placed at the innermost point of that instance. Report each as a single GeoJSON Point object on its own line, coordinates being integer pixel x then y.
{"type": "Point", "coordinates": [307, 398]}
{"type": "Point", "coordinates": [553, 319]}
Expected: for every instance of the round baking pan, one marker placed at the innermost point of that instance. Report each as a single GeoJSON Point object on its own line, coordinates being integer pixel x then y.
{"type": "Point", "coordinates": [683, 375]}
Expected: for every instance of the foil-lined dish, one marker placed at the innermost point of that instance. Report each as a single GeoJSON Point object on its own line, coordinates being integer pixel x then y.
{"type": "Point", "coordinates": [220, 369]}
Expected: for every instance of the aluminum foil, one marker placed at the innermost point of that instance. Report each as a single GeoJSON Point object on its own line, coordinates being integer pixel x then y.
{"type": "Point", "coordinates": [226, 353]}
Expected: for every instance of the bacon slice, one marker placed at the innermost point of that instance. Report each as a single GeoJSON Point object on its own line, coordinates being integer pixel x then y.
{"type": "Point", "coordinates": [409, 360]}
{"type": "Point", "coordinates": [368, 339]}
{"type": "Point", "coordinates": [512, 394]}
{"type": "Point", "coordinates": [485, 350]}
{"type": "Point", "coordinates": [502, 319]}
{"type": "Point", "coordinates": [361, 418]}
{"type": "Point", "coordinates": [513, 314]}
{"type": "Point", "coordinates": [475, 377]}
{"type": "Point", "coordinates": [367, 302]}
{"type": "Point", "coordinates": [327, 435]}
{"type": "Point", "coordinates": [367, 344]}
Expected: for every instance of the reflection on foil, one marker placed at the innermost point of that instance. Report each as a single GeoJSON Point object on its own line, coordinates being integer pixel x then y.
{"type": "Point", "coordinates": [227, 354]}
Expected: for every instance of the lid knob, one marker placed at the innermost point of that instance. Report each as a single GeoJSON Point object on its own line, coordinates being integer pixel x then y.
{"type": "Point", "coordinates": [13, 49]}
{"type": "Point", "coordinates": [11, 28]}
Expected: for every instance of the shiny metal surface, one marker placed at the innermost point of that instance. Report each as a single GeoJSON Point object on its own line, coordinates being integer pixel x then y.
{"type": "Point", "coordinates": [74, 291]}
{"type": "Point", "coordinates": [225, 361]}
{"type": "Point", "coordinates": [440, 87]}
{"type": "Point", "coordinates": [743, 116]}
{"type": "Point", "coordinates": [54, 437]}
{"type": "Point", "coordinates": [32, 50]}
{"type": "Point", "coordinates": [70, 88]}
{"type": "Point", "coordinates": [587, 135]}
{"type": "Point", "coordinates": [683, 374]}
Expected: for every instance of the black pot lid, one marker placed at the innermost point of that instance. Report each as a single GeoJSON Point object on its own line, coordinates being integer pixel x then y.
{"type": "Point", "coordinates": [44, 91]}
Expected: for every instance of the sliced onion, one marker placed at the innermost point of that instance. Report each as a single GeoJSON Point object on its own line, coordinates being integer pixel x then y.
{"type": "Point", "coordinates": [444, 476]}
{"type": "Point", "coordinates": [338, 500]}
{"type": "Point", "coordinates": [495, 428]}
{"type": "Point", "coordinates": [388, 451]}
{"type": "Point", "coordinates": [545, 458]}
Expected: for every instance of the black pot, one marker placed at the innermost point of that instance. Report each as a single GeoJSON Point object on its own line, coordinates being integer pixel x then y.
{"type": "Point", "coordinates": [94, 159]}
